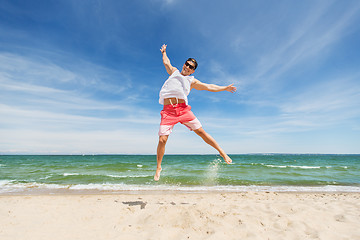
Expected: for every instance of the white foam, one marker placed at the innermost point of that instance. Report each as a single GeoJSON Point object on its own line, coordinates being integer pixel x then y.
{"type": "Point", "coordinates": [46, 177]}
{"type": "Point", "coordinates": [93, 186]}
{"type": "Point", "coordinates": [293, 166]}
{"type": "Point", "coordinates": [4, 182]}
{"type": "Point", "coordinates": [275, 166]}
{"type": "Point", "coordinates": [127, 176]}
{"type": "Point", "coordinates": [71, 174]}
{"type": "Point", "coordinates": [305, 167]}
{"type": "Point", "coordinates": [7, 186]}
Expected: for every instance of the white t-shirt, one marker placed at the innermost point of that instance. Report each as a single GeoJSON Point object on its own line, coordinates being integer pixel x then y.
{"type": "Point", "coordinates": [176, 86]}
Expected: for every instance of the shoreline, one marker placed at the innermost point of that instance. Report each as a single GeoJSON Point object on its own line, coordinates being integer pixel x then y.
{"type": "Point", "coordinates": [167, 193]}
{"type": "Point", "coordinates": [112, 189]}
{"type": "Point", "coordinates": [174, 193]}
{"type": "Point", "coordinates": [160, 192]}
{"type": "Point", "coordinates": [242, 215]}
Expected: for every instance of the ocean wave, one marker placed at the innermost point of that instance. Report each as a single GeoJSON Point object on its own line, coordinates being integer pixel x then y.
{"type": "Point", "coordinates": [5, 182]}
{"type": "Point", "coordinates": [305, 167]}
{"type": "Point", "coordinates": [46, 177]}
{"type": "Point", "coordinates": [275, 166]}
{"type": "Point", "coordinates": [106, 175]}
{"type": "Point", "coordinates": [9, 187]}
{"type": "Point", "coordinates": [71, 174]}
{"type": "Point", "coordinates": [128, 176]}
{"type": "Point", "coordinates": [291, 166]}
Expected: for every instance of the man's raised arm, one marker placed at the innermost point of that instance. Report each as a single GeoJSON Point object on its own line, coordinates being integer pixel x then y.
{"type": "Point", "coordinates": [212, 87]}
{"type": "Point", "coordinates": [169, 68]}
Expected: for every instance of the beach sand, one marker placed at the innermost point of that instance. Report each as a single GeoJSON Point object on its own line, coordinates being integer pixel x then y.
{"type": "Point", "coordinates": [174, 215]}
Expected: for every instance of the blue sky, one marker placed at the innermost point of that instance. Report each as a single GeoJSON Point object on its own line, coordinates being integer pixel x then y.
{"type": "Point", "coordinates": [83, 77]}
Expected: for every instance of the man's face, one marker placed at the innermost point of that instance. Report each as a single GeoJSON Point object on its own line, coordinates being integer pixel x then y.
{"type": "Point", "coordinates": [188, 68]}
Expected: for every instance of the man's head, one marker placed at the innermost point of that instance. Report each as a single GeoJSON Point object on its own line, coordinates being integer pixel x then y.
{"type": "Point", "coordinates": [189, 67]}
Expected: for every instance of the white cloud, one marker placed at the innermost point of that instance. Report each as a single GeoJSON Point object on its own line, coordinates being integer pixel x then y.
{"type": "Point", "coordinates": [44, 72]}
{"type": "Point", "coordinates": [322, 105]}
{"type": "Point", "coordinates": [46, 108]}
{"type": "Point", "coordinates": [36, 131]}
{"type": "Point", "coordinates": [333, 99]}
{"type": "Point", "coordinates": [293, 44]}
{"type": "Point", "coordinates": [122, 141]}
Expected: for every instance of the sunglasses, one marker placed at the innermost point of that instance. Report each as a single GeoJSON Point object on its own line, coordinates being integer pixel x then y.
{"type": "Point", "coordinates": [189, 65]}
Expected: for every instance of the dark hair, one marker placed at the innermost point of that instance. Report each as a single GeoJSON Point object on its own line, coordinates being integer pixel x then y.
{"type": "Point", "coordinates": [194, 61]}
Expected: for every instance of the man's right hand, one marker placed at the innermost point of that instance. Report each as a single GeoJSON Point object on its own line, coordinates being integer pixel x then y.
{"type": "Point", "coordinates": [163, 48]}
{"type": "Point", "coordinates": [169, 68]}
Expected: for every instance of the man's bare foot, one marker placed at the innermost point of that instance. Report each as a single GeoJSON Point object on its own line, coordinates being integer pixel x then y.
{"type": "Point", "coordinates": [157, 174]}
{"type": "Point", "coordinates": [226, 158]}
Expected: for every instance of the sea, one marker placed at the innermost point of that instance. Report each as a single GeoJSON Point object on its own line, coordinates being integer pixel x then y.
{"type": "Point", "coordinates": [66, 174]}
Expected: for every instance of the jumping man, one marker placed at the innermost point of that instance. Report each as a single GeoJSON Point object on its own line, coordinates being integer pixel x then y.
{"type": "Point", "coordinates": [173, 95]}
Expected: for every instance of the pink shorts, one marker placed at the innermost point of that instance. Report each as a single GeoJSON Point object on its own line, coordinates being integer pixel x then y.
{"type": "Point", "coordinates": [177, 113]}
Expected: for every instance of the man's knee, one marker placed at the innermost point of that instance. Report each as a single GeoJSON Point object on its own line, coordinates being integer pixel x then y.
{"type": "Point", "coordinates": [200, 131]}
{"type": "Point", "coordinates": [163, 139]}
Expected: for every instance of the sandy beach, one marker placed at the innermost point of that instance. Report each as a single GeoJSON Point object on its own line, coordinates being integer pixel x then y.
{"type": "Point", "coordinates": [248, 215]}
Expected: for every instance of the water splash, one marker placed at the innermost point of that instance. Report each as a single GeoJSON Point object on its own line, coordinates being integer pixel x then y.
{"type": "Point", "coordinates": [212, 173]}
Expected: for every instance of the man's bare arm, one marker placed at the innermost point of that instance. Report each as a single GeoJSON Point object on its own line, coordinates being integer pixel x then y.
{"type": "Point", "coordinates": [212, 87]}
{"type": "Point", "coordinates": [169, 68]}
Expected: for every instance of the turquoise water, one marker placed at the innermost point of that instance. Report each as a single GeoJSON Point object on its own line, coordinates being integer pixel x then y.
{"type": "Point", "coordinates": [112, 173]}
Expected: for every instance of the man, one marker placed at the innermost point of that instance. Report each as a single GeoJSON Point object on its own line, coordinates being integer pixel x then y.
{"type": "Point", "coordinates": [173, 95]}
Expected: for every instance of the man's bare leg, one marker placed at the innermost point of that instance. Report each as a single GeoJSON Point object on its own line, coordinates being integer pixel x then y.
{"type": "Point", "coordinates": [211, 141]}
{"type": "Point", "coordinates": [160, 155]}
